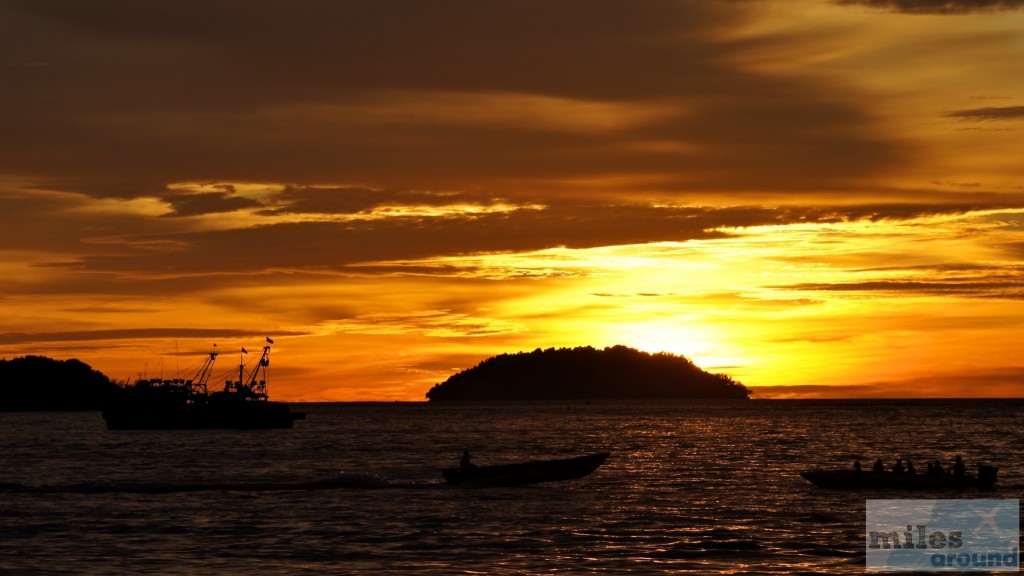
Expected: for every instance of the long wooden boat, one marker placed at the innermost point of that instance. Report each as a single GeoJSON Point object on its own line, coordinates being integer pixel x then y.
{"type": "Point", "coordinates": [864, 480]}
{"type": "Point", "coordinates": [526, 472]}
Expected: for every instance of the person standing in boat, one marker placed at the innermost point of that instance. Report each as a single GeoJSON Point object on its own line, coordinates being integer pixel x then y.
{"type": "Point", "coordinates": [910, 468]}
{"type": "Point", "coordinates": [958, 467]}
{"type": "Point", "coordinates": [856, 466]}
{"type": "Point", "coordinates": [878, 468]}
{"type": "Point", "coordinates": [898, 466]}
{"type": "Point", "coordinates": [465, 464]}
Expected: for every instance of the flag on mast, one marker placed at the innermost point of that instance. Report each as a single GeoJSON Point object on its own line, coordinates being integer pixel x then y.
{"type": "Point", "coordinates": [269, 341]}
{"type": "Point", "coordinates": [244, 351]}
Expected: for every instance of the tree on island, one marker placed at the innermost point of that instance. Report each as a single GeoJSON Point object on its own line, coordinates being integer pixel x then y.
{"type": "Point", "coordinates": [41, 383]}
{"type": "Point", "coordinates": [617, 373]}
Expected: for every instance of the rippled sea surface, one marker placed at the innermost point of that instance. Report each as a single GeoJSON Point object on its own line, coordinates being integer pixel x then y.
{"type": "Point", "coordinates": [689, 488]}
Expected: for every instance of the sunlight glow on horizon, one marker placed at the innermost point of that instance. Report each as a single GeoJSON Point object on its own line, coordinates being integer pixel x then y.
{"type": "Point", "coordinates": [759, 306]}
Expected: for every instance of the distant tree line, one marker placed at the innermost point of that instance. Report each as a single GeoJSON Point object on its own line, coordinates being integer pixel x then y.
{"type": "Point", "coordinates": [617, 372]}
{"type": "Point", "coordinates": [41, 383]}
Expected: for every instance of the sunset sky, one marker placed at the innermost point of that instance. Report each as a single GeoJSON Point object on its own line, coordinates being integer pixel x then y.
{"type": "Point", "coordinates": [820, 198]}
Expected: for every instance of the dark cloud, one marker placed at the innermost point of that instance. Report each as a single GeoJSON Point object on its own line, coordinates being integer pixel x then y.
{"type": "Point", "coordinates": [938, 6]}
{"type": "Point", "coordinates": [117, 249]}
{"type": "Point", "coordinates": [378, 94]}
{"type": "Point", "coordinates": [190, 260]}
{"type": "Point", "coordinates": [347, 201]}
{"type": "Point", "coordinates": [15, 338]}
{"type": "Point", "coordinates": [303, 200]}
{"type": "Point", "coordinates": [102, 188]}
{"type": "Point", "coordinates": [206, 203]}
{"type": "Point", "coordinates": [989, 113]}
{"type": "Point", "coordinates": [989, 271]}
{"type": "Point", "coordinates": [1012, 289]}
{"type": "Point", "coordinates": [1016, 249]}
{"type": "Point", "coordinates": [907, 211]}
{"type": "Point", "coordinates": [334, 245]}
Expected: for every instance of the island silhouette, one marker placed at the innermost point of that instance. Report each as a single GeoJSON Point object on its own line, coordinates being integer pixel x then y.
{"type": "Point", "coordinates": [587, 373]}
{"type": "Point", "coordinates": [38, 383]}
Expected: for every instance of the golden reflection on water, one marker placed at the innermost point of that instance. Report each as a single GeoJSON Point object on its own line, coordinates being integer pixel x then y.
{"type": "Point", "coordinates": [689, 488]}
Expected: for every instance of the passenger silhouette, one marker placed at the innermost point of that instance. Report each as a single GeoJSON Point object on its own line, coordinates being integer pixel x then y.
{"type": "Point", "coordinates": [856, 466]}
{"type": "Point", "coordinates": [910, 468]}
{"type": "Point", "coordinates": [878, 468]}
{"type": "Point", "coordinates": [958, 467]}
{"type": "Point", "coordinates": [465, 464]}
{"type": "Point", "coordinates": [898, 466]}
{"type": "Point", "coordinates": [938, 468]}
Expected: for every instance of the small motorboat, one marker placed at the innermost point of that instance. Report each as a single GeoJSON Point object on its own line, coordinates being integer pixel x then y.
{"type": "Point", "coordinates": [525, 472]}
{"type": "Point", "coordinates": [865, 480]}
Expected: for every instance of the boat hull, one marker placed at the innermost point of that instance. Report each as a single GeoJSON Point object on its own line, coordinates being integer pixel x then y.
{"type": "Point", "coordinates": [853, 480]}
{"type": "Point", "coordinates": [526, 472]}
{"type": "Point", "coordinates": [165, 415]}
{"type": "Point", "coordinates": [185, 404]}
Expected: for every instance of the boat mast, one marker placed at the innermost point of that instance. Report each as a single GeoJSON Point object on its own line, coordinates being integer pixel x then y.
{"type": "Point", "coordinates": [203, 376]}
{"type": "Point", "coordinates": [241, 368]}
{"type": "Point", "coordinates": [260, 386]}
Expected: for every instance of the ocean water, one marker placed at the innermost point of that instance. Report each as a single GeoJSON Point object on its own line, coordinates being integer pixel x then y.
{"type": "Point", "coordinates": [355, 489]}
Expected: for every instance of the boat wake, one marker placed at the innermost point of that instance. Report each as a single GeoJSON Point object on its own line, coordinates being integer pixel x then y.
{"type": "Point", "coordinates": [343, 480]}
